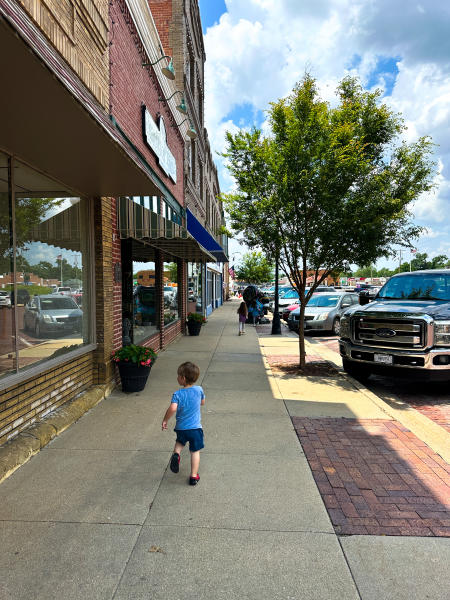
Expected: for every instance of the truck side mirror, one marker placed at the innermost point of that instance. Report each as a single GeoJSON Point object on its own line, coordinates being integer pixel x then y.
{"type": "Point", "coordinates": [364, 298]}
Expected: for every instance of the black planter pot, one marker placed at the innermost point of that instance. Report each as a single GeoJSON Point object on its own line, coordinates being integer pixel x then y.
{"type": "Point", "coordinates": [194, 327]}
{"type": "Point", "coordinates": [133, 376]}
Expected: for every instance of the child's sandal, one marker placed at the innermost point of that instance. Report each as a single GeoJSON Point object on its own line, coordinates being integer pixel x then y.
{"type": "Point", "coordinates": [194, 480]}
{"type": "Point", "coordinates": [175, 462]}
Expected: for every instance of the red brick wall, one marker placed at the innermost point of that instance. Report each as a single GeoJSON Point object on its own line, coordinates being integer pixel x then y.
{"type": "Point", "coordinates": [131, 87]}
{"type": "Point", "coordinates": [162, 15]}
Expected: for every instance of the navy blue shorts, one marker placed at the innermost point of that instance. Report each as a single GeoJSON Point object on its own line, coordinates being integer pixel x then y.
{"type": "Point", "coordinates": [193, 436]}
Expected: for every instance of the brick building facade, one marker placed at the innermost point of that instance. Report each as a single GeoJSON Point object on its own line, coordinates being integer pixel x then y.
{"type": "Point", "coordinates": [98, 197]}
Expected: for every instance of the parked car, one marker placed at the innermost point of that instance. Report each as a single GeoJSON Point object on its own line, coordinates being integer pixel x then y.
{"type": "Point", "coordinates": [5, 298]}
{"type": "Point", "coordinates": [287, 311]}
{"type": "Point", "coordinates": [405, 329]}
{"type": "Point", "coordinates": [52, 314]}
{"type": "Point", "coordinates": [290, 295]}
{"type": "Point", "coordinates": [323, 312]}
{"type": "Point", "coordinates": [64, 290]}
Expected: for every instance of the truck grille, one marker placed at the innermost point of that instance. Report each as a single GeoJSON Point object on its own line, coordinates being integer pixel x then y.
{"type": "Point", "coordinates": [389, 333]}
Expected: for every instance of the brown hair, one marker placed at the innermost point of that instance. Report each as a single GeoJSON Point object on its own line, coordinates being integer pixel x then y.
{"type": "Point", "coordinates": [242, 310]}
{"type": "Point", "coordinates": [189, 371]}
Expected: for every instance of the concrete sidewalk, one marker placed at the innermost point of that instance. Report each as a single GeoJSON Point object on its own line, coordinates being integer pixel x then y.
{"type": "Point", "coordinates": [98, 515]}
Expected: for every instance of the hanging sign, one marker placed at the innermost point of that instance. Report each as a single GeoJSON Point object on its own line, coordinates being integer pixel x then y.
{"type": "Point", "coordinates": [155, 137]}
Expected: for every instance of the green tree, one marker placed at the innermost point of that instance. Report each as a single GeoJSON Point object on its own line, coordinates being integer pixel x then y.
{"type": "Point", "coordinates": [329, 187]}
{"type": "Point", "coordinates": [255, 268]}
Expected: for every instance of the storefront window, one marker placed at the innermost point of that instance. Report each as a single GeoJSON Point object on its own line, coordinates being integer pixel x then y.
{"type": "Point", "coordinates": [194, 299]}
{"type": "Point", "coordinates": [145, 302]}
{"type": "Point", "coordinates": [7, 310]}
{"type": "Point", "coordinates": [209, 288]}
{"type": "Point", "coordinates": [170, 281]}
{"type": "Point", "coordinates": [49, 289]}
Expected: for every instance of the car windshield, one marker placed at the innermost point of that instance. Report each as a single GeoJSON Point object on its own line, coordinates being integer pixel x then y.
{"type": "Point", "coordinates": [58, 303]}
{"type": "Point", "coordinates": [323, 301]}
{"type": "Point", "coordinates": [290, 294]}
{"type": "Point", "coordinates": [422, 286]}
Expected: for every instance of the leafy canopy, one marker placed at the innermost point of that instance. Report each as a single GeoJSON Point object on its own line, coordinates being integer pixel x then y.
{"type": "Point", "coordinates": [255, 268]}
{"type": "Point", "coordinates": [330, 186]}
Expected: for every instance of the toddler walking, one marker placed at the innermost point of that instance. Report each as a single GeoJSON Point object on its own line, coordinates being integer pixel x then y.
{"type": "Point", "coordinates": [243, 313]}
{"type": "Point", "coordinates": [186, 403]}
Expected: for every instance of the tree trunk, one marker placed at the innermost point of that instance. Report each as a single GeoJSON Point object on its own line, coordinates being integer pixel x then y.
{"type": "Point", "coordinates": [301, 335]}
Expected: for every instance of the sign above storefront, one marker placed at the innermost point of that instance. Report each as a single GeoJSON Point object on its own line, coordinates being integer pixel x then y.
{"type": "Point", "coordinates": [155, 137]}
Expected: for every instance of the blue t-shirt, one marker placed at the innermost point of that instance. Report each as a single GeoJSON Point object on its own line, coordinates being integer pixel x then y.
{"type": "Point", "coordinates": [188, 411]}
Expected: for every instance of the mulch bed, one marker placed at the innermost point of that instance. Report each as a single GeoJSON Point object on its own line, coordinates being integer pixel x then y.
{"type": "Point", "coordinates": [376, 477]}
{"type": "Point", "coordinates": [288, 365]}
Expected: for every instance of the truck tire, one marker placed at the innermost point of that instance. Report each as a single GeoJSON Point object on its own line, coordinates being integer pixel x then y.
{"type": "Point", "coordinates": [355, 369]}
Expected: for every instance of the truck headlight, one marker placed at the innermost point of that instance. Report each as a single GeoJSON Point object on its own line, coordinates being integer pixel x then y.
{"type": "Point", "coordinates": [345, 327]}
{"type": "Point", "coordinates": [442, 333]}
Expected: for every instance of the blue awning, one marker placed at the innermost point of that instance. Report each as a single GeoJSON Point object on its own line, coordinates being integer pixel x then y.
{"type": "Point", "coordinates": [204, 238]}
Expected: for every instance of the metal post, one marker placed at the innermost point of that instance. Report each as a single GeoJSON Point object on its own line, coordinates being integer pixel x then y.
{"type": "Point", "coordinates": [276, 322]}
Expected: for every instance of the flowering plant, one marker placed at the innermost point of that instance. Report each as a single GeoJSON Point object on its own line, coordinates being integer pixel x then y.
{"type": "Point", "coordinates": [140, 355]}
{"type": "Point", "coordinates": [196, 317]}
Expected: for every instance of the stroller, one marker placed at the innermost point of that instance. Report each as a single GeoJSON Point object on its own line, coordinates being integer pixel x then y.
{"type": "Point", "coordinates": [252, 297]}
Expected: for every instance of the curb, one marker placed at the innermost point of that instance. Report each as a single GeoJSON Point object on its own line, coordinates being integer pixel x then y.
{"type": "Point", "coordinates": [29, 442]}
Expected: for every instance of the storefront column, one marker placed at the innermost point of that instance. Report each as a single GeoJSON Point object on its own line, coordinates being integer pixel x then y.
{"type": "Point", "coordinates": [104, 321]}
{"type": "Point", "coordinates": [182, 291]}
{"type": "Point", "coordinates": [159, 284]}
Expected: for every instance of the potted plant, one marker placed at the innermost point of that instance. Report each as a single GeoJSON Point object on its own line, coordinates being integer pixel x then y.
{"type": "Point", "coordinates": [194, 323]}
{"type": "Point", "coordinates": [134, 363]}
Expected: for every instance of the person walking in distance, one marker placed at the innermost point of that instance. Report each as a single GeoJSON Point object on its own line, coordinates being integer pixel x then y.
{"type": "Point", "coordinates": [185, 404]}
{"type": "Point", "coordinates": [243, 314]}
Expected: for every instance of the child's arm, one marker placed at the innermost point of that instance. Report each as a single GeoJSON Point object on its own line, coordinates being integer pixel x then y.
{"type": "Point", "coordinates": [203, 401]}
{"type": "Point", "coordinates": [169, 413]}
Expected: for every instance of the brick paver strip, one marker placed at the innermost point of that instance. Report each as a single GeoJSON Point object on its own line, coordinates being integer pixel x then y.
{"type": "Point", "coordinates": [376, 477]}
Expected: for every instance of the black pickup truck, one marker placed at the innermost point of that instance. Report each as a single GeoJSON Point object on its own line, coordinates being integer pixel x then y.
{"type": "Point", "coordinates": [405, 329]}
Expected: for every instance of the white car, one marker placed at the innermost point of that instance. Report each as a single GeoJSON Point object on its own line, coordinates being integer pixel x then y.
{"type": "Point", "coordinates": [5, 298]}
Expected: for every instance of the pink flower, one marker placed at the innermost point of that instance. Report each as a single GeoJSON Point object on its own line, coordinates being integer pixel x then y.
{"type": "Point", "coordinates": [126, 359]}
{"type": "Point", "coordinates": [143, 363]}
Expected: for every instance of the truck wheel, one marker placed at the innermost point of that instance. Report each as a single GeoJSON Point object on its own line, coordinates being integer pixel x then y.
{"type": "Point", "coordinates": [355, 369]}
{"type": "Point", "coordinates": [337, 327]}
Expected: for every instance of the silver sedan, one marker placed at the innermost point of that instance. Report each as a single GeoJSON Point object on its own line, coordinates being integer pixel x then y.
{"type": "Point", "coordinates": [323, 312]}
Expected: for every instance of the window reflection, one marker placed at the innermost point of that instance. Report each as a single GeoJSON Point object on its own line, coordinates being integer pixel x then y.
{"type": "Point", "coordinates": [145, 312]}
{"type": "Point", "coordinates": [194, 298]}
{"type": "Point", "coordinates": [7, 338]}
{"type": "Point", "coordinates": [48, 290]}
{"type": "Point", "coordinates": [170, 281]}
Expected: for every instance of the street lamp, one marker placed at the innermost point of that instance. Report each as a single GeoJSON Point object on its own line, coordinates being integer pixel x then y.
{"type": "Point", "coordinates": [276, 321]}
{"type": "Point", "coordinates": [168, 71]}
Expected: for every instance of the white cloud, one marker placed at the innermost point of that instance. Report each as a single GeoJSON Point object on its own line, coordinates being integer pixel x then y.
{"type": "Point", "coordinates": [261, 48]}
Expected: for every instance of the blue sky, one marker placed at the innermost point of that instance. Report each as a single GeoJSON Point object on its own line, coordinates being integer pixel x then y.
{"type": "Point", "coordinates": [210, 12]}
{"type": "Point", "coordinates": [260, 49]}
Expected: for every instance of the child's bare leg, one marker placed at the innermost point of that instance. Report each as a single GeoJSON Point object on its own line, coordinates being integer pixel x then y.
{"type": "Point", "coordinates": [195, 463]}
{"type": "Point", "coordinates": [178, 447]}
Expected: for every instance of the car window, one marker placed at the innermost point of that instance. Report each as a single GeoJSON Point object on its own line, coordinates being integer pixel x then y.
{"type": "Point", "coordinates": [62, 303]}
{"type": "Point", "coordinates": [346, 300]}
{"type": "Point", "coordinates": [324, 301]}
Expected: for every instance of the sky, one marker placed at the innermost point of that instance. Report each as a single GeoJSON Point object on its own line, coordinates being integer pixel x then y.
{"type": "Point", "coordinates": [257, 50]}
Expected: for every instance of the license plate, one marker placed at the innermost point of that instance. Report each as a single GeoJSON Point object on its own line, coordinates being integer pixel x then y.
{"type": "Point", "coordinates": [386, 359]}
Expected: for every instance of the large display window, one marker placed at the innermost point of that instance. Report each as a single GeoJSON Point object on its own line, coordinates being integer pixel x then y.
{"type": "Point", "coordinates": [45, 286]}
{"type": "Point", "coordinates": [145, 302]}
{"type": "Point", "coordinates": [195, 287]}
{"type": "Point", "coordinates": [170, 283]}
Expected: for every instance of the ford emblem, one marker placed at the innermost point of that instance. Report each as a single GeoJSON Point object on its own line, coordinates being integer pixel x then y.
{"type": "Point", "coordinates": [384, 332]}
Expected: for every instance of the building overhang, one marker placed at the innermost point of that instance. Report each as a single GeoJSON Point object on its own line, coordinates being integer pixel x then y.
{"type": "Point", "coordinates": [149, 232]}
{"type": "Point", "coordinates": [52, 122]}
{"type": "Point", "coordinates": [203, 237]}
